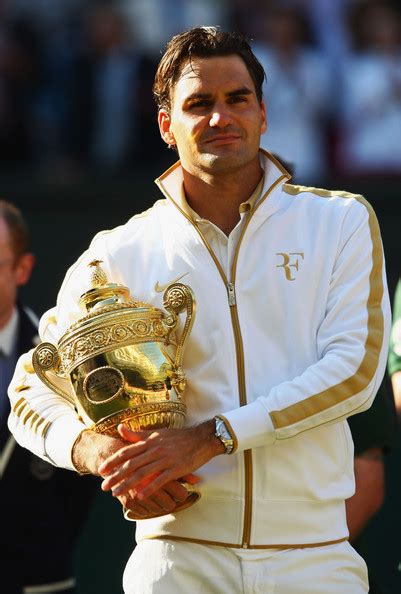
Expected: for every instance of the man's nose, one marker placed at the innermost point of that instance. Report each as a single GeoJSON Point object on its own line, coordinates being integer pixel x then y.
{"type": "Point", "coordinates": [220, 118]}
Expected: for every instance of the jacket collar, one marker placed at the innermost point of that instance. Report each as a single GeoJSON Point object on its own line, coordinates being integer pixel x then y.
{"type": "Point", "coordinates": [28, 330]}
{"type": "Point", "coordinates": [8, 333]}
{"type": "Point", "coordinates": [171, 182]}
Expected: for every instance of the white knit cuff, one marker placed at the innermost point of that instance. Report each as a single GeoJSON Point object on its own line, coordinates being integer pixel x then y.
{"type": "Point", "coordinates": [60, 438]}
{"type": "Point", "coordinates": [252, 426]}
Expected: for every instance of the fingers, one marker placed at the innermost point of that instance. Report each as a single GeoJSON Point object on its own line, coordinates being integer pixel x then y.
{"type": "Point", "coordinates": [152, 507]}
{"type": "Point", "coordinates": [121, 456]}
{"type": "Point", "coordinates": [164, 500]}
{"type": "Point", "coordinates": [144, 480]}
{"type": "Point", "coordinates": [151, 460]}
{"type": "Point", "coordinates": [177, 491]}
{"type": "Point", "coordinates": [138, 511]}
{"type": "Point", "coordinates": [131, 475]}
{"type": "Point", "coordinates": [145, 509]}
{"type": "Point", "coordinates": [131, 436]}
{"type": "Point", "coordinates": [160, 503]}
{"type": "Point", "coordinates": [192, 479]}
{"type": "Point", "coordinates": [147, 490]}
{"type": "Point", "coordinates": [140, 441]}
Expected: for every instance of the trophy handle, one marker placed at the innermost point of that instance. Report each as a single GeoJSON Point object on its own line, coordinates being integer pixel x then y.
{"type": "Point", "coordinates": [46, 358]}
{"type": "Point", "coordinates": [176, 299]}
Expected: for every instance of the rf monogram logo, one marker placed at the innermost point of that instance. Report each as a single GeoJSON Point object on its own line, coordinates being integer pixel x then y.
{"type": "Point", "coordinates": [289, 262]}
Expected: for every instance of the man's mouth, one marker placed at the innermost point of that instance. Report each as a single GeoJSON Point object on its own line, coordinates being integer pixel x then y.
{"type": "Point", "coordinates": [222, 139]}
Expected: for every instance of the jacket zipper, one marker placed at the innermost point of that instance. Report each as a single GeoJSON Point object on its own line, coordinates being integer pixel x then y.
{"type": "Point", "coordinates": [239, 348]}
{"type": "Point", "coordinates": [246, 531]}
{"type": "Point", "coordinates": [231, 294]}
{"type": "Point", "coordinates": [232, 300]}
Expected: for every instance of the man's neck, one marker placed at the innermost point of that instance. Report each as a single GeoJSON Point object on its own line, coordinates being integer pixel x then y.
{"type": "Point", "coordinates": [218, 198]}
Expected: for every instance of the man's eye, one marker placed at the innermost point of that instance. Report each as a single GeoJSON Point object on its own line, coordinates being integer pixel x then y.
{"type": "Point", "coordinates": [237, 99]}
{"type": "Point", "coordinates": [200, 103]}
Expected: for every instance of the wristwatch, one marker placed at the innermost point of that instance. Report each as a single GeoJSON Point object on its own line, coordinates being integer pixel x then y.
{"type": "Point", "coordinates": [222, 433]}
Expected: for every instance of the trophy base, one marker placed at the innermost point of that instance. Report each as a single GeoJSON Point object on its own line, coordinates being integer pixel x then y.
{"type": "Point", "coordinates": [155, 415]}
{"type": "Point", "coordinates": [190, 500]}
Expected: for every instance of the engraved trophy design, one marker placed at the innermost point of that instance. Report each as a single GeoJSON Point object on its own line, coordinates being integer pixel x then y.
{"type": "Point", "coordinates": [117, 361]}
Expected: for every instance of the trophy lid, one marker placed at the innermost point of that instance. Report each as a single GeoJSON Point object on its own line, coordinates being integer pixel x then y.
{"type": "Point", "coordinates": [102, 293]}
{"type": "Point", "coordinates": [113, 319]}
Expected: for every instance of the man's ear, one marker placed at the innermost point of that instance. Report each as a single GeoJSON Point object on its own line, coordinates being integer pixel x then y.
{"type": "Point", "coordinates": [23, 268]}
{"type": "Point", "coordinates": [164, 121]}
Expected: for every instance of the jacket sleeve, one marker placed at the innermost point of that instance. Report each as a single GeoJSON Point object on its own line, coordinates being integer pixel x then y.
{"type": "Point", "coordinates": [41, 420]}
{"type": "Point", "coordinates": [351, 342]}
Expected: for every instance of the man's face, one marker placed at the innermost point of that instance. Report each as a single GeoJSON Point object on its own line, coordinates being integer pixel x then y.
{"type": "Point", "coordinates": [216, 119]}
{"type": "Point", "coordinates": [13, 273]}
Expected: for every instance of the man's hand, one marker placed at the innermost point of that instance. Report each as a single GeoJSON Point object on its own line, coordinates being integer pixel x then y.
{"type": "Point", "coordinates": [155, 458]}
{"type": "Point", "coordinates": [91, 449]}
{"type": "Point", "coordinates": [164, 501]}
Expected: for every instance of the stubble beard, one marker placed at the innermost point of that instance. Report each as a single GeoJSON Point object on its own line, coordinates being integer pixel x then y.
{"type": "Point", "coordinates": [220, 164]}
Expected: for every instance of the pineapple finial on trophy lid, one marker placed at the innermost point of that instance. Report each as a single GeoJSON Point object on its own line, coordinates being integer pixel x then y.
{"type": "Point", "coordinates": [98, 275]}
{"type": "Point", "coordinates": [102, 292]}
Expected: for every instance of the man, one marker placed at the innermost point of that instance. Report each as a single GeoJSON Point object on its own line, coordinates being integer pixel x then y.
{"type": "Point", "coordinates": [43, 507]}
{"type": "Point", "coordinates": [290, 339]}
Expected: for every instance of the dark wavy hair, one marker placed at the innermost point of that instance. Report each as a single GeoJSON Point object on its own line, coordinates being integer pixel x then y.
{"type": "Point", "coordinates": [202, 42]}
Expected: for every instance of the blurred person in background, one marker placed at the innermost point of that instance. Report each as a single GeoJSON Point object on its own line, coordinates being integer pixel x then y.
{"type": "Point", "coordinates": [370, 118]}
{"type": "Point", "coordinates": [373, 434]}
{"type": "Point", "coordinates": [154, 22]}
{"type": "Point", "coordinates": [328, 22]}
{"type": "Point", "coordinates": [47, 34]}
{"type": "Point", "coordinates": [20, 50]}
{"type": "Point", "coordinates": [111, 118]}
{"type": "Point", "coordinates": [76, 78]}
{"type": "Point", "coordinates": [298, 93]}
{"type": "Point", "coordinates": [43, 507]}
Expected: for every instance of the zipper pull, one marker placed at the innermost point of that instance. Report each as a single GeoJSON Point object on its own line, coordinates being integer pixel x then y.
{"type": "Point", "coordinates": [231, 294]}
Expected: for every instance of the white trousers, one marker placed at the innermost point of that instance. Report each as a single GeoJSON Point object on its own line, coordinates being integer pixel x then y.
{"type": "Point", "coordinates": [175, 567]}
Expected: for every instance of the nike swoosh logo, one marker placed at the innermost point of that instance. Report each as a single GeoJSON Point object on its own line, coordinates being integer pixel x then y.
{"type": "Point", "coordinates": [161, 288]}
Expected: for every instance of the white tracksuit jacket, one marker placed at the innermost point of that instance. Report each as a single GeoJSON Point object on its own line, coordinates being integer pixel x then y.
{"type": "Point", "coordinates": [286, 348]}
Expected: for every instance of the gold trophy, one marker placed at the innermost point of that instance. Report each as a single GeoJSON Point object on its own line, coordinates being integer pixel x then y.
{"type": "Point", "coordinates": [117, 362]}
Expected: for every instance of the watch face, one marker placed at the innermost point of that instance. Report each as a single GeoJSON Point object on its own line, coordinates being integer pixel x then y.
{"type": "Point", "coordinates": [224, 435]}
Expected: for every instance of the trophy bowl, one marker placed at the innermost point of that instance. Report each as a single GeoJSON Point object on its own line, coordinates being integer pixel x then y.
{"type": "Point", "coordinates": [117, 361]}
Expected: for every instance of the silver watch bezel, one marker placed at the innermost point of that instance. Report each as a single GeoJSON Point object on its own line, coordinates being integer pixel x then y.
{"type": "Point", "coordinates": [223, 434]}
